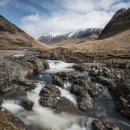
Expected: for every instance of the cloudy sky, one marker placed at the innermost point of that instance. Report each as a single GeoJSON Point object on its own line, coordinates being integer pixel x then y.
{"type": "Point", "coordinates": [37, 17]}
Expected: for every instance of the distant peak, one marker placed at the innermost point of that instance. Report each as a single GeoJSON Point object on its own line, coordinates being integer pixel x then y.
{"type": "Point", "coordinates": [54, 37]}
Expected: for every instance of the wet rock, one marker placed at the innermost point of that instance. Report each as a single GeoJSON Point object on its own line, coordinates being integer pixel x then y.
{"type": "Point", "coordinates": [85, 102]}
{"type": "Point", "coordinates": [49, 96]}
{"type": "Point", "coordinates": [103, 124]}
{"type": "Point", "coordinates": [64, 105]}
{"type": "Point", "coordinates": [20, 84]}
{"type": "Point", "coordinates": [26, 104]}
{"type": "Point", "coordinates": [103, 80]}
{"type": "Point", "coordinates": [1, 100]}
{"type": "Point", "coordinates": [107, 72]}
{"type": "Point", "coordinates": [89, 88]}
{"type": "Point", "coordinates": [124, 106]}
{"type": "Point", "coordinates": [9, 122]}
{"type": "Point", "coordinates": [31, 63]}
{"type": "Point", "coordinates": [13, 68]}
{"type": "Point", "coordinates": [121, 94]}
{"type": "Point", "coordinates": [118, 64]}
{"type": "Point", "coordinates": [57, 81]}
{"type": "Point", "coordinates": [72, 78]}
{"type": "Point", "coordinates": [45, 64]}
{"type": "Point", "coordinates": [26, 83]}
{"type": "Point", "coordinates": [77, 90]}
{"type": "Point", "coordinates": [93, 90]}
{"type": "Point", "coordinates": [95, 71]}
{"type": "Point", "coordinates": [123, 87]}
{"type": "Point", "coordinates": [79, 68]}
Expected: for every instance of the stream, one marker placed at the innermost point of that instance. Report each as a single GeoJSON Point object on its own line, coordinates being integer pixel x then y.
{"type": "Point", "coordinates": [42, 118]}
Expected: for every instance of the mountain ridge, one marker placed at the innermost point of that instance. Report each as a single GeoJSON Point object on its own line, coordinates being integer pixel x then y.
{"type": "Point", "coordinates": [120, 22]}
{"type": "Point", "coordinates": [90, 33]}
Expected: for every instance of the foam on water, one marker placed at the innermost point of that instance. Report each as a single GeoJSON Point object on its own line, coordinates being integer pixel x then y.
{"type": "Point", "coordinates": [67, 85]}
{"type": "Point", "coordinates": [19, 55]}
{"type": "Point", "coordinates": [12, 106]}
{"type": "Point", "coordinates": [58, 66]}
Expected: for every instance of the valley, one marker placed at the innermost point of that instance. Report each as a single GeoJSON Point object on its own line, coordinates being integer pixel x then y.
{"type": "Point", "coordinates": [80, 83]}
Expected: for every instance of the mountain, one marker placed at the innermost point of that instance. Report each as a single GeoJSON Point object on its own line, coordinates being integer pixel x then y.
{"type": "Point", "coordinates": [114, 39]}
{"type": "Point", "coordinates": [91, 33]}
{"type": "Point", "coordinates": [13, 37]}
{"type": "Point", "coordinates": [120, 22]}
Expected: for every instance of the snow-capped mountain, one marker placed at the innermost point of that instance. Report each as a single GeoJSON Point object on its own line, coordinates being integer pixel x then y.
{"type": "Point", "coordinates": [91, 33]}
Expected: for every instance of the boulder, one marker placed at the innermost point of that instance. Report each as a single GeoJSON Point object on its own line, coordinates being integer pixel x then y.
{"type": "Point", "coordinates": [9, 122]}
{"type": "Point", "coordinates": [103, 124]}
{"type": "Point", "coordinates": [64, 105]}
{"type": "Point", "coordinates": [49, 96]}
{"type": "Point", "coordinates": [89, 88]}
{"type": "Point", "coordinates": [79, 68]}
{"type": "Point", "coordinates": [1, 100]}
{"type": "Point", "coordinates": [26, 104]}
{"type": "Point", "coordinates": [103, 80]}
{"type": "Point", "coordinates": [124, 106]}
{"type": "Point", "coordinates": [85, 102]}
{"type": "Point", "coordinates": [57, 81]}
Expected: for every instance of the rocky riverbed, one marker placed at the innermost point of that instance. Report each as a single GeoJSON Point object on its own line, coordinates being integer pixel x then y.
{"type": "Point", "coordinates": [37, 93]}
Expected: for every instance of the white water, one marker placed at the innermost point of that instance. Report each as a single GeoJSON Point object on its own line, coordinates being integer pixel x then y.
{"type": "Point", "coordinates": [68, 95]}
{"type": "Point", "coordinates": [59, 66]}
{"type": "Point", "coordinates": [19, 55]}
{"type": "Point", "coordinates": [12, 106]}
{"type": "Point", "coordinates": [67, 86]}
{"type": "Point", "coordinates": [42, 116]}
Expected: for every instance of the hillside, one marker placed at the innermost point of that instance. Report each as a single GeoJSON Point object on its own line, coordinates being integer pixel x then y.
{"type": "Point", "coordinates": [13, 37]}
{"type": "Point", "coordinates": [120, 22]}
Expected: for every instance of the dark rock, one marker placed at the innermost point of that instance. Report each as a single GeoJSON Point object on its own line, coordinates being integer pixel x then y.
{"type": "Point", "coordinates": [79, 68]}
{"type": "Point", "coordinates": [77, 90]}
{"type": "Point", "coordinates": [65, 105]}
{"type": "Point", "coordinates": [26, 104]}
{"type": "Point", "coordinates": [93, 90]}
{"type": "Point", "coordinates": [9, 122]}
{"type": "Point", "coordinates": [124, 106]}
{"type": "Point", "coordinates": [46, 65]}
{"type": "Point", "coordinates": [67, 77]}
{"type": "Point", "coordinates": [14, 70]}
{"type": "Point", "coordinates": [119, 64]}
{"type": "Point", "coordinates": [95, 71]}
{"type": "Point", "coordinates": [89, 88]}
{"type": "Point", "coordinates": [103, 124]}
{"type": "Point", "coordinates": [85, 102]}
{"type": "Point", "coordinates": [49, 96]}
{"type": "Point", "coordinates": [57, 81]}
{"type": "Point", "coordinates": [1, 100]}
{"type": "Point", "coordinates": [103, 80]}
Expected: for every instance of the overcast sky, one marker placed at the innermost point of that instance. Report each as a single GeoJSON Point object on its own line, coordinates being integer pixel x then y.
{"type": "Point", "coordinates": [37, 17]}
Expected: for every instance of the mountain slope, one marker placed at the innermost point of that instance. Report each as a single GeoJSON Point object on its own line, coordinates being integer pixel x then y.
{"type": "Point", "coordinates": [117, 44]}
{"type": "Point", "coordinates": [120, 22]}
{"type": "Point", "coordinates": [13, 37]}
{"type": "Point", "coordinates": [91, 33]}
